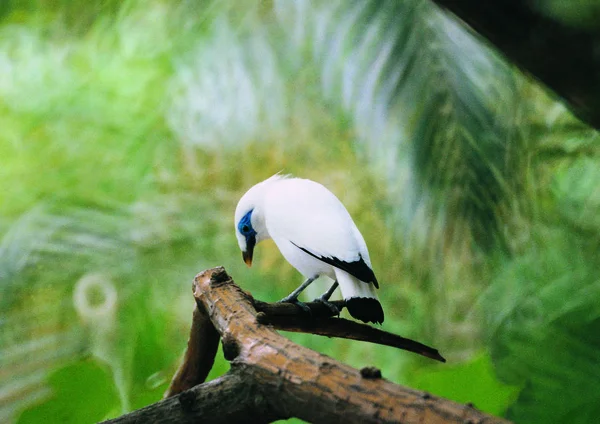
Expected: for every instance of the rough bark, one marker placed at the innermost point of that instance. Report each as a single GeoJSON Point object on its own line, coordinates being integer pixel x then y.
{"type": "Point", "coordinates": [273, 378]}
{"type": "Point", "coordinates": [199, 356]}
{"type": "Point", "coordinates": [287, 317]}
{"type": "Point", "coordinates": [563, 57]}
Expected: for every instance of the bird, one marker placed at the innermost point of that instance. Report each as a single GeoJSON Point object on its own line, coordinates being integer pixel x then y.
{"type": "Point", "coordinates": [316, 235]}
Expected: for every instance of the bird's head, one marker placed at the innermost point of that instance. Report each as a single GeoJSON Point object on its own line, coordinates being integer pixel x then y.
{"type": "Point", "coordinates": [249, 220]}
{"type": "Point", "coordinates": [246, 236]}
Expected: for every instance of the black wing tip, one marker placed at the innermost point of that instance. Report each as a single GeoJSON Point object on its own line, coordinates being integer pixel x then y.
{"type": "Point", "coordinates": [358, 269]}
{"type": "Point", "coordinates": [366, 309]}
{"type": "Point", "coordinates": [375, 282]}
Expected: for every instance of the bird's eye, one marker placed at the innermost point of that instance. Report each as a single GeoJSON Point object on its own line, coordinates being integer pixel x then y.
{"type": "Point", "coordinates": [245, 229]}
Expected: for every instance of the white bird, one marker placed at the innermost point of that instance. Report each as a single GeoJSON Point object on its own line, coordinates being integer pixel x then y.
{"type": "Point", "coordinates": [315, 234]}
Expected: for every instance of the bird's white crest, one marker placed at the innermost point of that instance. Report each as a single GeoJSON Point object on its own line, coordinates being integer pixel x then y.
{"type": "Point", "coordinates": [312, 229]}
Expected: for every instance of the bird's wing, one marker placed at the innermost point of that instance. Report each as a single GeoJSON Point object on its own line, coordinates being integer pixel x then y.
{"type": "Point", "coordinates": [315, 221]}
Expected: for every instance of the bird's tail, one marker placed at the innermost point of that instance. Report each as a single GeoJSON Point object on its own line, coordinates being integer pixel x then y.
{"type": "Point", "coordinates": [361, 298]}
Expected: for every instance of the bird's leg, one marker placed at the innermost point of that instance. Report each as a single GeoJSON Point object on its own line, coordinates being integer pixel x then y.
{"type": "Point", "coordinates": [325, 296]}
{"type": "Point", "coordinates": [324, 299]}
{"type": "Point", "coordinates": [293, 296]}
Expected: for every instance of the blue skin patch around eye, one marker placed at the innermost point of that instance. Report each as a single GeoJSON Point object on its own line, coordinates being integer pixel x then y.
{"type": "Point", "coordinates": [246, 222]}
{"type": "Point", "coordinates": [245, 228]}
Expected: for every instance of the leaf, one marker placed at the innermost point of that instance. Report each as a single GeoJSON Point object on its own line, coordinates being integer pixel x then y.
{"type": "Point", "coordinates": [542, 319]}
{"type": "Point", "coordinates": [577, 192]}
{"type": "Point", "coordinates": [470, 382]}
{"type": "Point", "coordinates": [83, 392]}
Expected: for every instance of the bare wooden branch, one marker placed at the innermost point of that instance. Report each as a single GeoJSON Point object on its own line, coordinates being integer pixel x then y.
{"type": "Point", "coordinates": [317, 309]}
{"type": "Point", "coordinates": [228, 399]}
{"type": "Point", "coordinates": [346, 329]}
{"type": "Point", "coordinates": [273, 378]}
{"type": "Point", "coordinates": [199, 356]}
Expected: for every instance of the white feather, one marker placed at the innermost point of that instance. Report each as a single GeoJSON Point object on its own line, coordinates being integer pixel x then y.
{"type": "Point", "coordinates": [352, 286]}
{"type": "Point", "coordinates": [308, 214]}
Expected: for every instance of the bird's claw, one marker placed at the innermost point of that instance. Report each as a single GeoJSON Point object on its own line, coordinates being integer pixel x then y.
{"type": "Point", "coordinates": [331, 306]}
{"type": "Point", "coordinates": [295, 301]}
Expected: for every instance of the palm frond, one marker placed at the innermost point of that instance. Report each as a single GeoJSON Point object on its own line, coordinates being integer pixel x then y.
{"type": "Point", "coordinates": [435, 114]}
{"type": "Point", "coordinates": [434, 108]}
{"type": "Point", "coordinates": [229, 89]}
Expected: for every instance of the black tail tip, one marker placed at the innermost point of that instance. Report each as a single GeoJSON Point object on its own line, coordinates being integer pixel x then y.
{"type": "Point", "coordinates": [366, 309]}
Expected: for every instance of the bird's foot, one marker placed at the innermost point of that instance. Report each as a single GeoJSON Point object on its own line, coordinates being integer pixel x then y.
{"type": "Point", "coordinates": [294, 300]}
{"type": "Point", "coordinates": [325, 301]}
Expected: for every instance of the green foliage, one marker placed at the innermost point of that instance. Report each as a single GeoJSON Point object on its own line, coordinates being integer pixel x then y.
{"type": "Point", "coordinates": [130, 129]}
{"type": "Point", "coordinates": [541, 326]}
{"type": "Point", "coordinates": [455, 144]}
{"type": "Point", "coordinates": [457, 382]}
{"type": "Point", "coordinates": [73, 400]}
{"type": "Point", "coordinates": [542, 308]}
{"type": "Point", "coordinates": [580, 14]}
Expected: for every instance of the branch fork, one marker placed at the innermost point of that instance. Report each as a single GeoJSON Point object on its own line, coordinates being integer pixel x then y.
{"type": "Point", "coordinates": [272, 378]}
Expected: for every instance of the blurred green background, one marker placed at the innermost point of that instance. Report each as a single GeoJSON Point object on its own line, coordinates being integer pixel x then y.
{"type": "Point", "coordinates": [129, 130]}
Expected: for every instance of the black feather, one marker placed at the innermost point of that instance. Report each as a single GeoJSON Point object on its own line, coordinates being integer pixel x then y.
{"type": "Point", "coordinates": [358, 269]}
{"type": "Point", "coordinates": [365, 309]}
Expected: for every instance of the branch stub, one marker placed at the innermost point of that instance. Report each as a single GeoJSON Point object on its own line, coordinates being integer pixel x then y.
{"type": "Point", "coordinates": [231, 349]}
{"type": "Point", "coordinates": [370, 373]}
{"type": "Point", "coordinates": [218, 277]}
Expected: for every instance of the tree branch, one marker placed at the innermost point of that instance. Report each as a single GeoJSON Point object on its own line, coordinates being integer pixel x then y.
{"type": "Point", "coordinates": [272, 378]}
{"type": "Point", "coordinates": [199, 356]}
{"type": "Point", "coordinates": [346, 329]}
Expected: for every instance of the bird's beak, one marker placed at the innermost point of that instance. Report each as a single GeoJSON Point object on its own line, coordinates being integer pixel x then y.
{"type": "Point", "coordinates": [247, 255]}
